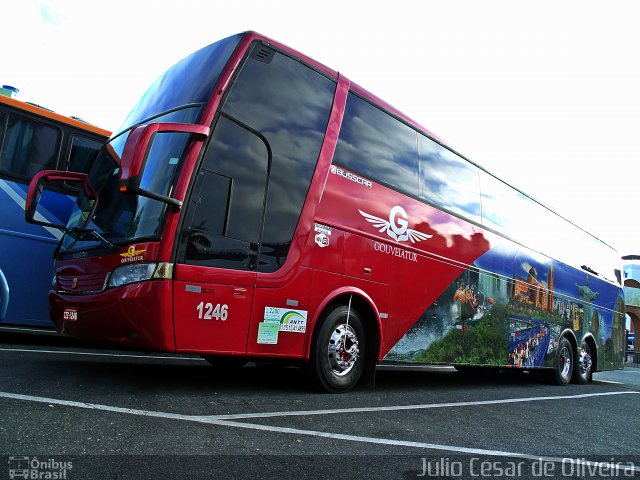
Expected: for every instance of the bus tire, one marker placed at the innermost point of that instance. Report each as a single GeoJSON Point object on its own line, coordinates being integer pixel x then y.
{"type": "Point", "coordinates": [564, 361]}
{"type": "Point", "coordinates": [339, 353]}
{"type": "Point", "coordinates": [584, 365]}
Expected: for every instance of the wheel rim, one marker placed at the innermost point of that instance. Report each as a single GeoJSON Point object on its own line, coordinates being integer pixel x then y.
{"type": "Point", "coordinates": [564, 363]}
{"type": "Point", "coordinates": [585, 363]}
{"type": "Point", "coordinates": [343, 349]}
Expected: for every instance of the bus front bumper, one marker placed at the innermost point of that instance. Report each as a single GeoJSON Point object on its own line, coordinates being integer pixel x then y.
{"type": "Point", "coordinates": [134, 315]}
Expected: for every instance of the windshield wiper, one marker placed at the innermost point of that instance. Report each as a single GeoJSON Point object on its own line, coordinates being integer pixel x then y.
{"type": "Point", "coordinates": [95, 234]}
{"type": "Point", "coordinates": [79, 234]}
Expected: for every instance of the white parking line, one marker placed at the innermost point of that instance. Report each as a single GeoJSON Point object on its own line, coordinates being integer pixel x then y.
{"type": "Point", "coordinates": [621, 468]}
{"type": "Point", "coordinates": [426, 406]}
{"type": "Point", "coordinates": [609, 381]}
{"type": "Point", "coordinates": [212, 420]}
{"type": "Point", "coordinates": [97, 354]}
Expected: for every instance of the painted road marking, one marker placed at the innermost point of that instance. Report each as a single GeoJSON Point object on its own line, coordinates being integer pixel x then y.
{"type": "Point", "coordinates": [427, 406]}
{"type": "Point", "coordinates": [212, 420]}
{"type": "Point", "coordinates": [427, 446]}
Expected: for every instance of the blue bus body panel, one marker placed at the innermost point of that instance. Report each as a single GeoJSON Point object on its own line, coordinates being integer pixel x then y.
{"type": "Point", "coordinates": [26, 254]}
{"type": "Point", "coordinates": [510, 307]}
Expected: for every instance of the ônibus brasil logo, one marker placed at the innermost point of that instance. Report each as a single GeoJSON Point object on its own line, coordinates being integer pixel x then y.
{"type": "Point", "coordinates": [397, 225]}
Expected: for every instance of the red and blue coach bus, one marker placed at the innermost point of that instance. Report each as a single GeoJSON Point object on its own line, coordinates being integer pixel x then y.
{"type": "Point", "coordinates": [257, 204]}
{"type": "Point", "coordinates": [33, 138]}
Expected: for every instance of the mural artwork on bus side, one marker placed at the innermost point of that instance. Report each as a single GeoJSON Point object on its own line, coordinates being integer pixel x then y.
{"type": "Point", "coordinates": [514, 316]}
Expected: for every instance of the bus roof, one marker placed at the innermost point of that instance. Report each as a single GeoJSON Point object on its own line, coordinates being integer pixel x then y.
{"type": "Point", "coordinates": [56, 117]}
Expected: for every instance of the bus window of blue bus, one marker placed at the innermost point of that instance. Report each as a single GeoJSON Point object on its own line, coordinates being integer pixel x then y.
{"type": "Point", "coordinates": [34, 139]}
{"type": "Point", "coordinates": [83, 150]}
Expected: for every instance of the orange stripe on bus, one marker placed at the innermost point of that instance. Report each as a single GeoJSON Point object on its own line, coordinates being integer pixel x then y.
{"type": "Point", "coordinates": [53, 116]}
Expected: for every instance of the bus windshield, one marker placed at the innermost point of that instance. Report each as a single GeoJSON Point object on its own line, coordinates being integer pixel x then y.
{"type": "Point", "coordinates": [123, 218]}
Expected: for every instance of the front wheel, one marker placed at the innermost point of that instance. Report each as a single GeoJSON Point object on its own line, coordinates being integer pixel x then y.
{"type": "Point", "coordinates": [339, 352]}
{"type": "Point", "coordinates": [584, 365]}
{"type": "Point", "coordinates": [563, 367]}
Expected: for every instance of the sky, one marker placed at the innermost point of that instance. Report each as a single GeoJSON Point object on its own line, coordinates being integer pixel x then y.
{"type": "Point", "coordinates": [544, 94]}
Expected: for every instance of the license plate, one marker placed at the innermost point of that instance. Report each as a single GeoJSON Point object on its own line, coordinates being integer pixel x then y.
{"type": "Point", "coordinates": [70, 314]}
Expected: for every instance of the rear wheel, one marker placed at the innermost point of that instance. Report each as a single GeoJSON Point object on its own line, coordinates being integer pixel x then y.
{"type": "Point", "coordinates": [584, 365]}
{"type": "Point", "coordinates": [338, 357]}
{"type": "Point", "coordinates": [563, 368]}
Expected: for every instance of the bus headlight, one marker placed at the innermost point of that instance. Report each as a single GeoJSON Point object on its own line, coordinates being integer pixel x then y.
{"type": "Point", "coordinates": [139, 272]}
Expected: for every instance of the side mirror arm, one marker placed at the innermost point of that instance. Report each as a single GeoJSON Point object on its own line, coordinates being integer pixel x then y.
{"type": "Point", "coordinates": [137, 146]}
{"type": "Point", "coordinates": [136, 150]}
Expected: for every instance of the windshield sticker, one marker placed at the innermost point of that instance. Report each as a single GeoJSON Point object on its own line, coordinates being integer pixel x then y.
{"type": "Point", "coordinates": [397, 226]}
{"type": "Point", "coordinates": [289, 320]}
{"type": "Point", "coordinates": [268, 333]}
{"type": "Point", "coordinates": [132, 255]}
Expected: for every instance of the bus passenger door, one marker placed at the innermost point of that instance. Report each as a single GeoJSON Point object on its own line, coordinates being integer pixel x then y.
{"type": "Point", "coordinates": [215, 274]}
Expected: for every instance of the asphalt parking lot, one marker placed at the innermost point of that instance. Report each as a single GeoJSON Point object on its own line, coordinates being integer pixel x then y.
{"type": "Point", "coordinates": [85, 412]}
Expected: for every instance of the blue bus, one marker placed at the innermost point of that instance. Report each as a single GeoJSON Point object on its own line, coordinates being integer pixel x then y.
{"type": "Point", "coordinates": [33, 138]}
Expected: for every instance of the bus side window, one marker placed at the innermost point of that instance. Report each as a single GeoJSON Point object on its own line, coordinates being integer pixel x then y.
{"type": "Point", "coordinates": [288, 103]}
{"type": "Point", "coordinates": [377, 146]}
{"type": "Point", "coordinates": [83, 151]}
{"type": "Point", "coordinates": [224, 217]}
{"type": "Point", "coordinates": [28, 147]}
{"type": "Point", "coordinates": [448, 181]}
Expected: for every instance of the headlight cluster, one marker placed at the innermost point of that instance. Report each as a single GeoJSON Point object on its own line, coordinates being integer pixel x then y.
{"type": "Point", "coordinates": [139, 272]}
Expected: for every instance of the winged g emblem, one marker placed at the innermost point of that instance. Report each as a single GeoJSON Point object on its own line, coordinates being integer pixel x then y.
{"type": "Point", "coordinates": [397, 226]}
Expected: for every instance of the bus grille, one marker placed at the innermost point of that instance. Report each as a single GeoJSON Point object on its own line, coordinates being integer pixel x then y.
{"type": "Point", "coordinates": [94, 282]}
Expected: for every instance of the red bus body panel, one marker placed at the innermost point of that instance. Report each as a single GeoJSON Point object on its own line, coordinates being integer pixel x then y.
{"type": "Point", "coordinates": [162, 315]}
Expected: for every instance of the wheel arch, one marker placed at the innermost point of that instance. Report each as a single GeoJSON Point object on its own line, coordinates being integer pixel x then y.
{"type": "Point", "coordinates": [363, 303]}
{"type": "Point", "coordinates": [590, 339]}
{"type": "Point", "coordinates": [559, 376]}
{"type": "Point", "coordinates": [571, 336]}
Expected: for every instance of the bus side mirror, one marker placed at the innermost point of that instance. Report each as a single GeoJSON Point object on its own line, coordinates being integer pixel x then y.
{"type": "Point", "coordinates": [49, 176]}
{"type": "Point", "coordinates": [136, 152]}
